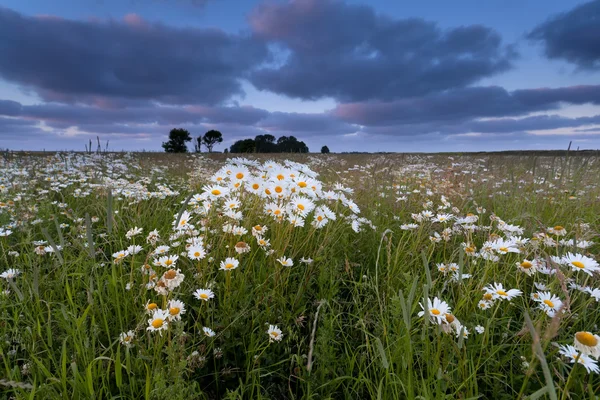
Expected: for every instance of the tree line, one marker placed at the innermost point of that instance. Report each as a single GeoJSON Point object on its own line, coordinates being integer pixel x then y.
{"type": "Point", "coordinates": [178, 139]}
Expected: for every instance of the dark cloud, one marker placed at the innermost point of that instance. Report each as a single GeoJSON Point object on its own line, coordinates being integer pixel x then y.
{"type": "Point", "coordinates": [573, 36]}
{"type": "Point", "coordinates": [68, 61]}
{"type": "Point", "coordinates": [9, 108]}
{"type": "Point", "coordinates": [464, 104]}
{"type": "Point", "coordinates": [302, 123]}
{"type": "Point", "coordinates": [350, 53]}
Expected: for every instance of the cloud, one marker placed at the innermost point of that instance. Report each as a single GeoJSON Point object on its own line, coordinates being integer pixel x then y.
{"type": "Point", "coordinates": [464, 104]}
{"type": "Point", "coordinates": [573, 36]}
{"type": "Point", "coordinates": [348, 52]}
{"type": "Point", "coordinates": [94, 61]}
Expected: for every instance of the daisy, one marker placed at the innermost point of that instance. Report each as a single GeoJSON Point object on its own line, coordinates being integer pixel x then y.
{"type": "Point", "coordinates": [176, 310]}
{"type": "Point", "coordinates": [10, 273]}
{"type": "Point", "coordinates": [151, 307]}
{"type": "Point", "coordinates": [229, 264]}
{"type": "Point", "coordinates": [529, 267]}
{"type": "Point", "coordinates": [172, 278]}
{"type": "Point", "coordinates": [134, 249]}
{"type": "Point", "coordinates": [159, 321]}
{"type": "Point", "coordinates": [204, 294]}
{"type": "Point", "coordinates": [133, 232]}
{"type": "Point", "coordinates": [196, 252]}
{"type": "Point", "coordinates": [479, 329]}
{"type": "Point", "coordinates": [579, 262]}
{"type": "Point", "coordinates": [208, 332]}
{"type": "Point", "coordinates": [242, 247]}
{"type": "Point", "coordinates": [575, 356]}
{"type": "Point", "coordinates": [588, 343]}
{"type": "Point", "coordinates": [498, 292]}
{"type": "Point", "coordinates": [286, 262]}
{"type": "Point", "coordinates": [168, 261]}
{"type": "Point", "coordinates": [274, 333]}
{"type": "Point", "coordinates": [549, 303]}
{"type": "Point", "coordinates": [126, 338]}
{"type": "Point", "coordinates": [437, 310]}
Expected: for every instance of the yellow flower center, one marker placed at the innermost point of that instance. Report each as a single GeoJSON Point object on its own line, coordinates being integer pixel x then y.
{"type": "Point", "coordinates": [170, 274]}
{"type": "Point", "coordinates": [505, 249]}
{"type": "Point", "coordinates": [216, 192]}
{"type": "Point", "coordinates": [151, 306]}
{"type": "Point", "coordinates": [549, 303]}
{"type": "Point", "coordinates": [488, 296]}
{"type": "Point", "coordinates": [450, 318]}
{"type": "Point", "coordinates": [255, 186]}
{"type": "Point", "coordinates": [228, 266]}
{"type": "Point", "coordinates": [277, 212]}
{"type": "Point", "coordinates": [586, 339]}
{"type": "Point", "coordinates": [174, 310]}
{"type": "Point", "coordinates": [300, 207]}
{"type": "Point", "coordinates": [169, 262]}
{"type": "Point", "coordinates": [127, 339]}
{"type": "Point", "coordinates": [501, 293]}
{"type": "Point", "coordinates": [558, 228]}
{"type": "Point", "coordinates": [204, 296]}
{"type": "Point", "coordinates": [267, 191]}
{"type": "Point", "coordinates": [237, 184]}
{"type": "Point", "coordinates": [157, 323]}
{"type": "Point", "coordinates": [239, 175]}
{"type": "Point", "coordinates": [197, 254]}
{"type": "Point", "coordinates": [302, 184]}
{"type": "Point", "coordinates": [319, 218]}
{"type": "Point", "coordinates": [578, 264]}
{"type": "Point", "coordinates": [435, 311]}
{"type": "Point", "coordinates": [278, 189]}
{"type": "Point", "coordinates": [274, 334]}
{"type": "Point", "coordinates": [469, 250]}
{"type": "Point", "coordinates": [280, 177]}
{"type": "Point", "coordinates": [526, 265]}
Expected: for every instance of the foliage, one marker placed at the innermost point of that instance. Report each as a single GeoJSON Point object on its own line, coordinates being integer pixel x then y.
{"type": "Point", "coordinates": [69, 216]}
{"type": "Point", "coordinates": [177, 141]}
{"type": "Point", "coordinates": [267, 144]}
{"type": "Point", "coordinates": [325, 150]}
{"type": "Point", "coordinates": [211, 138]}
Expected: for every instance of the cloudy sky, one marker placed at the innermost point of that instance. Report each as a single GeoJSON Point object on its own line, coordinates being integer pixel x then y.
{"type": "Point", "coordinates": [375, 75]}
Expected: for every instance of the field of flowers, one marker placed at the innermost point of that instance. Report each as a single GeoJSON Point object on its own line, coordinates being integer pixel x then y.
{"type": "Point", "coordinates": [152, 276]}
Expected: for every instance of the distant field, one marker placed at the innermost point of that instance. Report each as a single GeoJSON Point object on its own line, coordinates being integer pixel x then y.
{"type": "Point", "coordinates": [390, 276]}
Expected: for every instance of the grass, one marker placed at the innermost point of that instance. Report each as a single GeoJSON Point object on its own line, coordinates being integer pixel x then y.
{"type": "Point", "coordinates": [349, 320]}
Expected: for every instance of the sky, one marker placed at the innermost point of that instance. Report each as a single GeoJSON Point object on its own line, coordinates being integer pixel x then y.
{"type": "Point", "coordinates": [378, 75]}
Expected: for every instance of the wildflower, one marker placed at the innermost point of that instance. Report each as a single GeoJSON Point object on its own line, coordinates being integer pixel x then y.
{"type": "Point", "coordinates": [118, 256]}
{"type": "Point", "coordinates": [437, 310]}
{"type": "Point", "coordinates": [579, 262]}
{"type": "Point", "coordinates": [196, 252]}
{"type": "Point", "coordinates": [549, 303]}
{"type": "Point", "coordinates": [306, 260]}
{"type": "Point", "coordinates": [229, 264]}
{"type": "Point", "coordinates": [160, 250]}
{"type": "Point", "coordinates": [557, 230]}
{"type": "Point", "coordinates": [479, 329]}
{"type": "Point", "coordinates": [176, 310]}
{"type": "Point", "coordinates": [242, 247]}
{"type": "Point", "coordinates": [159, 321]}
{"type": "Point", "coordinates": [208, 332]}
{"type": "Point", "coordinates": [529, 267]}
{"type": "Point", "coordinates": [153, 237]}
{"type": "Point", "coordinates": [151, 307]}
{"type": "Point", "coordinates": [204, 294]}
{"type": "Point", "coordinates": [484, 305]}
{"type": "Point", "coordinates": [274, 333]}
{"type": "Point", "coordinates": [498, 292]}
{"type": "Point", "coordinates": [172, 278]}
{"type": "Point", "coordinates": [10, 273]}
{"type": "Point", "coordinates": [575, 356]}
{"type": "Point", "coordinates": [134, 249]}
{"type": "Point", "coordinates": [126, 338]}
{"type": "Point", "coordinates": [133, 232]}
{"type": "Point", "coordinates": [286, 262]}
{"type": "Point", "coordinates": [168, 261]}
{"type": "Point", "coordinates": [588, 343]}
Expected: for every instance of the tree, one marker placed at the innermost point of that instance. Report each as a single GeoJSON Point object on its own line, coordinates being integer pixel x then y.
{"type": "Point", "coordinates": [177, 141]}
{"type": "Point", "coordinates": [325, 150]}
{"type": "Point", "coordinates": [198, 144]}
{"type": "Point", "coordinates": [211, 138]}
{"type": "Point", "coordinates": [289, 144]}
{"type": "Point", "coordinates": [265, 144]}
{"type": "Point", "coordinates": [243, 146]}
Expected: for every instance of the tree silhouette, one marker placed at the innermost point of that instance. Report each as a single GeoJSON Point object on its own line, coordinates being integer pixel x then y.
{"type": "Point", "coordinates": [211, 138]}
{"type": "Point", "coordinates": [267, 144]}
{"type": "Point", "coordinates": [177, 141]}
{"type": "Point", "coordinates": [325, 150]}
{"type": "Point", "coordinates": [198, 144]}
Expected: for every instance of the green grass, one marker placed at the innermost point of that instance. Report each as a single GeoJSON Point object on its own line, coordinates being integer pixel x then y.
{"type": "Point", "coordinates": [351, 314]}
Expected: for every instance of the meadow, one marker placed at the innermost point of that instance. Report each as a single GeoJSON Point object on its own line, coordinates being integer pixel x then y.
{"type": "Point", "coordinates": [154, 276]}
